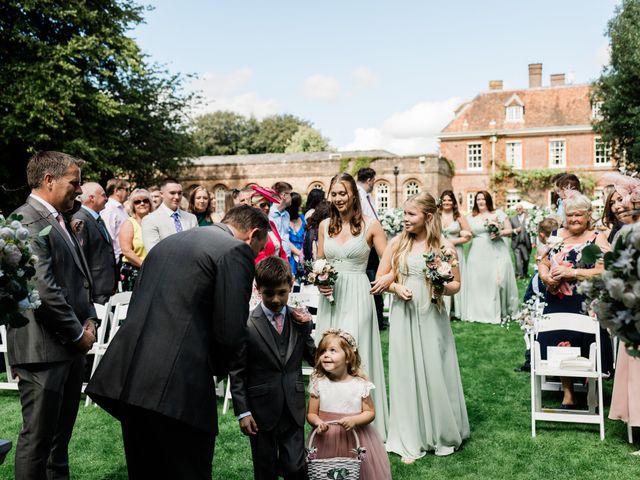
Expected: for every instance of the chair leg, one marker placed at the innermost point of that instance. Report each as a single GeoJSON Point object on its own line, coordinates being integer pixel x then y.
{"type": "Point", "coordinates": [227, 397]}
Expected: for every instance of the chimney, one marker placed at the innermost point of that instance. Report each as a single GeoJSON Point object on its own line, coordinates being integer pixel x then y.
{"type": "Point", "coordinates": [556, 79]}
{"type": "Point", "coordinates": [495, 84]}
{"type": "Point", "coordinates": [535, 75]}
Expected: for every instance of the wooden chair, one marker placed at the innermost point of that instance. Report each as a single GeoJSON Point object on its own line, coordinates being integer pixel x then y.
{"type": "Point", "coordinates": [541, 369]}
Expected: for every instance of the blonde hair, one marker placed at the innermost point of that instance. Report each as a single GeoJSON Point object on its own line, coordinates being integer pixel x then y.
{"type": "Point", "coordinates": [577, 202]}
{"type": "Point", "coordinates": [347, 344]}
{"type": "Point", "coordinates": [433, 225]}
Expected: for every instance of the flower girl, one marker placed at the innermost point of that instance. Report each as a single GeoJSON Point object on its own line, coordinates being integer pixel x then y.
{"type": "Point", "coordinates": [340, 393]}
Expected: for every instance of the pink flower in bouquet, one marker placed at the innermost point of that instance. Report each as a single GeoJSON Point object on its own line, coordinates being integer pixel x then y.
{"type": "Point", "coordinates": [323, 277]}
{"type": "Point", "coordinates": [444, 270]}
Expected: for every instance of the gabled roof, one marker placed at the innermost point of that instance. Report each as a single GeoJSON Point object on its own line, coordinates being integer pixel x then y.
{"type": "Point", "coordinates": [566, 105]}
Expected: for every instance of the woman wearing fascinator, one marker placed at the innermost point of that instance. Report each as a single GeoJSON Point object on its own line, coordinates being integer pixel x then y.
{"type": "Point", "coordinates": [262, 199]}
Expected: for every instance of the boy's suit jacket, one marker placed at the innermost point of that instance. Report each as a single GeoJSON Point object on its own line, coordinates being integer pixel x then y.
{"type": "Point", "coordinates": [260, 382]}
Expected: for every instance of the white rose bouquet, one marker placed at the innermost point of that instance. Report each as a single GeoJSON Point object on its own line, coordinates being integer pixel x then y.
{"type": "Point", "coordinates": [615, 296]}
{"type": "Point", "coordinates": [533, 219]}
{"type": "Point", "coordinates": [322, 274]}
{"type": "Point", "coordinates": [17, 268]}
{"type": "Point", "coordinates": [439, 270]}
{"type": "Point", "coordinates": [392, 221]}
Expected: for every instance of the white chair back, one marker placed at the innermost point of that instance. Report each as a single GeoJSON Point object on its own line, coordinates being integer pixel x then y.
{"type": "Point", "coordinates": [12, 382]}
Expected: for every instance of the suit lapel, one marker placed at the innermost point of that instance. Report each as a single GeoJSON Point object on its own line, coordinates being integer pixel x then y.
{"type": "Point", "coordinates": [261, 324]}
{"type": "Point", "coordinates": [293, 336]}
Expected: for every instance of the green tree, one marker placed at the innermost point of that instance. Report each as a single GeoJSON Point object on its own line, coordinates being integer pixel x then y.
{"type": "Point", "coordinates": [225, 133]}
{"type": "Point", "coordinates": [618, 86]}
{"type": "Point", "coordinates": [307, 139]}
{"type": "Point", "coordinates": [275, 131]}
{"type": "Point", "coordinates": [72, 80]}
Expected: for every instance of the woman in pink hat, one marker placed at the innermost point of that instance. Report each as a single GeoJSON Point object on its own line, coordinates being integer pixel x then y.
{"type": "Point", "coordinates": [262, 198]}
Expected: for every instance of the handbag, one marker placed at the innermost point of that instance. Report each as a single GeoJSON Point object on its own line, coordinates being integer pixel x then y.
{"type": "Point", "coordinates": [336, 468]}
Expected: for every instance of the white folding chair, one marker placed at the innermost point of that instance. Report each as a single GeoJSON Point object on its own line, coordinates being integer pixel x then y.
{"type": "Point", "coordinates": [542, 368]}
{"type": "Point", "coordinates": [12, 382]}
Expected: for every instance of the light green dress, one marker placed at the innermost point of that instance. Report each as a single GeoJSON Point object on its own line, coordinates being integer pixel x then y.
{"type": "Point", "coordinates": [427, 409]}
{"type": "Point", "coordinates": [354, 311]}
{"type": "Point", "coordinates": [489, 292]}
{"type": "Point", "coordinates": [452, 232]}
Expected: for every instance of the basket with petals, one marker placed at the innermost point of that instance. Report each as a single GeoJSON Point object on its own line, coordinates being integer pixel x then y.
{"type": "Point", "coordinates": [335, 468]}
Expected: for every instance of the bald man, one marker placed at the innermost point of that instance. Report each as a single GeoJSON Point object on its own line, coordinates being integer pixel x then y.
{"type": "Point", "coordinates": [96, 242]}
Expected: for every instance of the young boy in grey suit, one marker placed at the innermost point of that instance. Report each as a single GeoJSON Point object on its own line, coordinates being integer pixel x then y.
{"type": "Point", "coordinates": [266, 377]}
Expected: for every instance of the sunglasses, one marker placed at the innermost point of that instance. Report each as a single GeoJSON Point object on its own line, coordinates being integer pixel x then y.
{"type": "Point", "coordinates": [138, 202]}
{"type": "Point", "coordinates": [262, 205]}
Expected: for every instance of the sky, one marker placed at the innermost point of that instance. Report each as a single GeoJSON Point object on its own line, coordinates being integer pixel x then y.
{"type": "Point", "coordinates": [370, 74]}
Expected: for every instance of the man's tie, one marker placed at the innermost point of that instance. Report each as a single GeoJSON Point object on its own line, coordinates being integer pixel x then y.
{"type": "Point", "coordinates": [278, 318]}
{"type": "Point", "coordinates": [103, 229]}
{"type": "Point", "coordinates": [62, 224]}
{"type": "Point", "coordinates": [176, 221]}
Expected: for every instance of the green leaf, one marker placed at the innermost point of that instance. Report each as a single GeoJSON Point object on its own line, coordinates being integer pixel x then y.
{"type": "Point", "coordinates": [591, 253]}
{"type": "Point", "coordinates": [45, 231]}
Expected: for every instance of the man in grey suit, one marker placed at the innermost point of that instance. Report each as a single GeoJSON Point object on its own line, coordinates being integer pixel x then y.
{"type": "Point", "coordinates": [47, 354]}
{"type": "Point", "coordinates": [186, 320]}
{"type": "Point", "coordinates": [168, 218]}
{"type": "Point", "coordinates": [96, 243]}
{"type": "Point", "coordinates": [520, 242]}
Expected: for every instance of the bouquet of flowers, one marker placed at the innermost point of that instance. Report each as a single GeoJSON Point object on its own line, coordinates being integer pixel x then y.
{"type": "Point", "coordinates": [439, 270]}
{"type": "Point", "coordinates": [533, 219]}
{"type": "Point", "coordinates": [529, 314]}
{"type": "Point", "coordinates": [17, 268]}
{"type": "Point", "coordinates": [322, 274]}
{"type": "Point", "coordinates": [493, 227]}
{"type": "Point", "coordinates": [392, 221]}
{"type": "Point", "coordinates": [615, 296]}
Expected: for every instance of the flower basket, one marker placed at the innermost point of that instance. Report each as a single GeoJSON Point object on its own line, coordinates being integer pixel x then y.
{"type": "Point", "coordinates": [336, 468]}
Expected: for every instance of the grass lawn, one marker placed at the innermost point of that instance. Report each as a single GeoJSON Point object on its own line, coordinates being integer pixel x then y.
{"type": "Point", "coordinates": [498, 403]}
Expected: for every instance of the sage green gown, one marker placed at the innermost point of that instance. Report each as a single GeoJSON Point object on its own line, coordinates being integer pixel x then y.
{"type": "Point", "coordinates": [354, 311]}
{"type": "Point", "coordinates": [452, 232]}
{"type": "Point", "coordinates": [427, 408]}
{"type": "Point", "coordinates": [489, 292]}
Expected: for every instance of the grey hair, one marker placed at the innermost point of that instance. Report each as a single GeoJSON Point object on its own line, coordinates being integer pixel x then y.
{"type": "Point", "coordinates": [577, 202]}
{"type": "Point", "coordinates": [89, 189]}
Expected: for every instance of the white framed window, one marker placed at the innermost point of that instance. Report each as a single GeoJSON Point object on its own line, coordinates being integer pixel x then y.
{"type": "Point", "coordinates": [557, 153]}
{"type": "Point", "coordinates": [513, 197]}
{"type": "Point", "coordinates": [382, 196]}
{"type": "Point", "coordinates": [601, 152]}
{"type": "Point", "coordinates": [514, 113]}
{"type": "Point", "coordinates": [596, 114]}
{"type": "Point", "coordinates": [219, 195]}
{"type": "Point", "coordinates": [470, 198]}
{"type": "Point", "coordinates": [411, 188]}
{"type": "Point", "coordinates": [514, 154]}
{"type": "Point", "coordinates": [474, 156]}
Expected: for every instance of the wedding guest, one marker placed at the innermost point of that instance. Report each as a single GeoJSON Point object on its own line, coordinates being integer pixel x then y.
{"type": "Point", "coordinates": [340, 392]}
{"type": "Point", "coordinates": [456, 230]}
{"type": "Point", "coordinates": [564, 183]}
{"type": "Point", "coordinates": [273, 422]}
{"type": "Point", "coordinates": [133, 249]}
{"type": "Point", "coordinates": [200, 205]}
{"type": "Point", "coordinates": [490, 292]}
{"type": "Point", "coordinates": [96, 243]}
{"type": "Point", "coordinates": [315, 196]}
{"type": "Point", "coordinates": [609, 218]}
{"type": "Point", "coordinates": [185, 322]}
{"type": "Point", "coordinates": [321, 211]}
{"type": "Point", "coordinates": [48, 353]}
{"type": "Point", "coordinates": [262, 199]}
{"type": "Point", "coordinates": [345, 240]}
{"type": "Point", "coordinates": [560, 270]}
{"type": "Point", "coordinates": [279, 215]}
{"type": "Point", "coordinates": [424, 377]}
{"type": "Point", "coordinates": [169, 218]}
{"type": "Point", "coordinates": [244, 196]}
{"type": "Point", "coordinates": [520, 241]}
{"type": "Point", "coordinates": [114, 213]}
{"type": "Point", "coordinates": [156, 197]}
{"type": "Point", "coordinates": [231, 199]}
{"type": "Point", "coordinates": [296, 234]}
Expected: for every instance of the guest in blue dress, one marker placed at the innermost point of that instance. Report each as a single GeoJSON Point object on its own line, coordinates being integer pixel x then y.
{"type": "Point", "coordinates": [296, 234]}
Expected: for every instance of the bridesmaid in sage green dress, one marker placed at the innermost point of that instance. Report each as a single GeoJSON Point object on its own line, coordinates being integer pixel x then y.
{"type": "Point", "coordinates": [490, 292]}
{"type": "Point", "coordinates": [455, 228]}
{"type": "Point", "coordinates": [427, 407]}
{"type": "Point", "coordinates": [345, 239]}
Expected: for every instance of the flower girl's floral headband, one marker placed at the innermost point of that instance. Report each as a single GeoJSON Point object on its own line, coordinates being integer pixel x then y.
{"type": "Point", "coordinates": [341, 333]}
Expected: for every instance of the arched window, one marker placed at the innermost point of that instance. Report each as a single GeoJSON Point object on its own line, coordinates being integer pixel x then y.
{"type": "Point", "coordinates": [382, 196]}
{"type": "Point", "coordinates": [411, 188]}
{"type": "Point", "coordinates": [218, 196]}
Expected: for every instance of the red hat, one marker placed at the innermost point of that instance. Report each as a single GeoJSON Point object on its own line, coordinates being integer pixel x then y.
{"type": "Point", "coordinates": [265, 192]}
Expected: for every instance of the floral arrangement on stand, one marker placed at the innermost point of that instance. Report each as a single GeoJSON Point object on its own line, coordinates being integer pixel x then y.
{"type": "Point", "coordinates": [529, 315]}
{"type": "Point", "coordinates": [17, 269]}
{"type": "Point", "coordinates": [392, 221]}
{"type": "Point", "coordinates": [322, 274]}
{"type": "Point", "coordinates": [534, 217]}
{"type": "Point", "coordinates": [615, 296]}
{"type": "Point", "coordinates": [439, 270]}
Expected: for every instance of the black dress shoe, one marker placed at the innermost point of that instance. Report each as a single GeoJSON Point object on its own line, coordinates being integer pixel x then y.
{"type": "Point", "coordinates": [5, 446]}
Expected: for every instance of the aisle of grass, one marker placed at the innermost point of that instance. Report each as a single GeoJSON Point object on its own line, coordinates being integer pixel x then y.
{"type": "Point", "coordinates": [497, 401]}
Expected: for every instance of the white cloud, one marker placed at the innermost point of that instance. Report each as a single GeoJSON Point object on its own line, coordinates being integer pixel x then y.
{"type": "Point", "coordinates": [221, 91]}
{"type": "Point", "coordinates": [412, 131]}
{"type": "Point", "coordinates": [363, 77]}
{"type": "Point", "coordinates": [321, 87]}
{"type": "Point", "coordinates": [603, 55]}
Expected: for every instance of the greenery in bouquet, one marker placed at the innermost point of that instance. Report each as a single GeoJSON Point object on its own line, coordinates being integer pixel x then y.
{"type": "Point", "coordinates": [392, 221]}
{"type": "Point", "coordinates": [17, 269]}
{"type": "Point", "coordinates": [615, 296]}
{"type": "Point", "coordinates": [493, 227]}
{"type": "Point", "coordinates": [321, 274]}
{"type": "Point", "coordinates": [439, 270]}
{"type": "Point", "coordinates": [534, 216]}
{"type": "Point", "coordinates": [529, 314]}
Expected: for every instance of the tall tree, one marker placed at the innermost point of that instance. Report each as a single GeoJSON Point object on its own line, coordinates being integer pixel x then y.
{"type": "Point", "coordinates": [307, 139]}
{"type": "Point", "coordinates": [275, 131]}
{"type": "Point", "coordinates": [72, 80]}
{"type": "Point", "coordinates": [225, 133]}
{"type": "Point", "coordinates": [618, 86]}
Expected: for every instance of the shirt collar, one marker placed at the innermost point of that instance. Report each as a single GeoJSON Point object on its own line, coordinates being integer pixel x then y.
{"type": "Point", "coordinates": [271, 314]}
{"type": "Point", "coordinates": [168, 211]}
{"type": "Point", "coordinates": [47, 205]}
{"type": "Point", "coordinates": [93, 213]}
{"type": "Point", "coordinates": [114, 202]}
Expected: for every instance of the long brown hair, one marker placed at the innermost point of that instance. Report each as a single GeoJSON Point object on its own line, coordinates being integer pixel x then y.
{"type": "Point", "coordinates": [456, 210]}
{"type": "Point", "coordinates": [487, 198]}
{"type": "Point", "coordinates": [427, 205]}
{"type": "Point", "coordinates": [352, 357]}
{"type": "Point", "coordinates": [357, 221]}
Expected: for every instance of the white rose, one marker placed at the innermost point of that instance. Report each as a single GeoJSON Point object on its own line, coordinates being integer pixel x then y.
{"type": "Point", "coordinates": [444, 270]}
{"type": "Point", "coordinates": [615, 287]}
{"type": "Point", "coordinates": [629, 299]}
{"type": "Point", "coordinates": [6, 233]}
{"type": "Point", "coordinates": [319, 265]}
{"type": "Point", "coordinates": [22, 234]}
{"type": "Point", "coordinates": [15, 225]}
